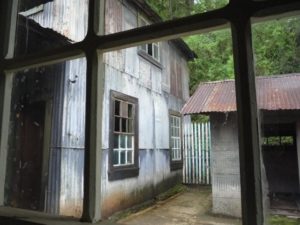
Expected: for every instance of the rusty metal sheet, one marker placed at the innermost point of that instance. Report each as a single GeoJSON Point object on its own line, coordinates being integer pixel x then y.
{"type": "Point", "coordinates": [279, 92]}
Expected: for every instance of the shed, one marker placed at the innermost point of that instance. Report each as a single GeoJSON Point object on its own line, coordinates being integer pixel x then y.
{"type": "Point", "coordinates": [278, 100]}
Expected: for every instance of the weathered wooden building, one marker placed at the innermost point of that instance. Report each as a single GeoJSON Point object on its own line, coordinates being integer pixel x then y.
{"type": "Point", "coordinates": [145, 88]}
{"type": "Point", "coordinates": [279, 105]}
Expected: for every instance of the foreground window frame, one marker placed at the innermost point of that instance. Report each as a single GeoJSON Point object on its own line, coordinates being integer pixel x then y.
{"type": "Point", "coordinates": [123, 123]}
{"type": "Point", "coordinates": [237, 13]}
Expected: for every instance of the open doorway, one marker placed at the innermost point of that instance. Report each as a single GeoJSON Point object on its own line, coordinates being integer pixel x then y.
{"type": "Point", "coordinates": [281, 163]}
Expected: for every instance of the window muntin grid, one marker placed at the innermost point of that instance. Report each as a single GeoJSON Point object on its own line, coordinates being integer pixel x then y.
{"type": "Point", "coordinates": [124, 133]}
{"type": "Point", "coordinates": [175, 128]}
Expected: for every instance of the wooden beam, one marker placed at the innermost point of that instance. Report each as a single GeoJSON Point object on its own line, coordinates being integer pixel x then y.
{"type": "Point", "coordinates": [249, 149]}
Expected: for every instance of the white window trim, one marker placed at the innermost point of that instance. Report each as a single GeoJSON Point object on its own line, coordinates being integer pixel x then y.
{"type": "Point", "coordinates": [175, 150]}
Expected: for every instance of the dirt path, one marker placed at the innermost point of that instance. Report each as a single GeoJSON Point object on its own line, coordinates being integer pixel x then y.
{"type": "Point", "coordinates": [189, 208]}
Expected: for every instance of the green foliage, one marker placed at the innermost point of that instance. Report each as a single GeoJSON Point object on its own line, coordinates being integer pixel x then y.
{"type": "Point", "coordinates": [281, 220]}
{"type": "Point", "coordinates": [215, 60]}
{"type": "Point", "coordinates": [199, 118]}
{"type": "Point", "coordinates": [276, 48]}
{"type": "Point", "coordinates": [276, 43]}
{"type": "Point", "coordinates": [171, 9]}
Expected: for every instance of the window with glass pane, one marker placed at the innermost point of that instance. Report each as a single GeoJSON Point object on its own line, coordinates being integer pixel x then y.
{"type": "Point", "coordinates": [40, 107]}
{"type": "Point", "coordinates": [175, 128]}
{"type": "Point", "coordinates": [151, 49]}
{"type": "Point", "coordinates": [123, 133]}
{"type": "Point", "coordinates": [155, 11]}
{"type": "Point", "coordinates": [276, 47]}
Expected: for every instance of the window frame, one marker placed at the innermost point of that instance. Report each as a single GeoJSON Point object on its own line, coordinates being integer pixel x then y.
{"type": "Point", "coordinates": [123, 171]}
{"type": "Point", "coordinates": [237, 13]}
{"type": "Point", "coordinates": [175, 164]}
{"type": "Point", "coordinates": [143, 50]}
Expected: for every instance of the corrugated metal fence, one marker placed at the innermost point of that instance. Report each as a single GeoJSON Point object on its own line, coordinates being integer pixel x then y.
{"type": "Point", "coordinates": [196, 153]}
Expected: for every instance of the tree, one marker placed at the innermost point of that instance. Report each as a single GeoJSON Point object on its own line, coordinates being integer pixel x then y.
{"type": "Point", "coordinates": [276, 49]}
{"type": "Point", "coordinates": [170, 9]}
{"type": "Point", "coordinates": [214, 61]}
{"type": "Point", "coordinates": [276, 43]}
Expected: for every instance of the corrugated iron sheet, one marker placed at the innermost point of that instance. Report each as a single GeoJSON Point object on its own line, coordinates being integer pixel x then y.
{"type": "Point", "coordinates": [280, 92]}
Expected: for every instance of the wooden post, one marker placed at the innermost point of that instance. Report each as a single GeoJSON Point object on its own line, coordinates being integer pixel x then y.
{"type": "Point", "coordinates": [8, 22]}
{"type": "Point", "coordinates": [93, 122]}
{"type": "Point", "coordinates": [249, 151]}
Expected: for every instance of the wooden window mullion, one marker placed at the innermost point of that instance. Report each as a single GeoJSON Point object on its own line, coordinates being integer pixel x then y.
{"type": "Point", "coordinates": [249, 150]}
{"type": "Point", "coordinates": [8, 21]}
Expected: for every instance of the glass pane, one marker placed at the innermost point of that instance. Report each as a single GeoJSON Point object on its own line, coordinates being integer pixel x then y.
{"type": "Point", "coordinates": [123, 141]}
{"type": "Point", "coordinates": [46, 24]}
{"type": "Point", "coordinates": [130, 126]}
{"type": "Point", "coordinates": [218, 151]}
{"type": "Point", "coordinates": [116, 141]}
{"type": "Point", "coordinates": [129, 142]}
{"type": "Point", "coordinates": [123, 155]}
{"type": "Point", "coordinates": [129, 157]}
{"type": "Point", "coordinates": [124, 125]}
{"type": "Point", "coordinates": [125, 15]}
{"type": "Point", "coordinates": [155, 51]}
{"type": "Point", "coordinates": [117, 108]}
{"type": "Point", "coordinates": [117, 124]}
{"type": "Point", "coordinates": [276, 47]}
{"type": "Point", "coordinates": [39, 150]}
{"type": "Point", "coordinates": [150, 49]}
{"type": "Point", "coordinates": [124, 112]}
{"type": "Point", "coordinates": [130, 111]}
{"type": "Point", "coordinates": [115, 157]}
{"type": "Point", "coordinates": [179, 153]}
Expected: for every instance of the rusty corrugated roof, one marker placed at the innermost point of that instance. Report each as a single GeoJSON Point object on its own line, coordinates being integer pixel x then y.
{"type": "Point", "coordinates": [280, 92]}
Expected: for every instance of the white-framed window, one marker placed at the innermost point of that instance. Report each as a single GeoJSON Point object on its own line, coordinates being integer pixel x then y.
{"type": "Point", "coordinates": [175, 135]}
{"type": "Point", "coordinates": [151, 49]}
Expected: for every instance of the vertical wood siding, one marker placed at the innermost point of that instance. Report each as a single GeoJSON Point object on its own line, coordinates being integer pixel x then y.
{"type": "Point", "coordinates": [196, 153]}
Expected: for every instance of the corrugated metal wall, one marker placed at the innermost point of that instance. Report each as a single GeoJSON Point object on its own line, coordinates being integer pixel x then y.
{"type": "Point", "coordinates": [67, 17]}
{"type": "Point", "coordinates": [64, 194]}
{"type": "Point", "coordinates": [72, 148]}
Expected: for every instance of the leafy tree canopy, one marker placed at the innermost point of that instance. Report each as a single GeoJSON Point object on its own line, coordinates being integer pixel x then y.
{"type": "Point", "coordinates": [276, 43]}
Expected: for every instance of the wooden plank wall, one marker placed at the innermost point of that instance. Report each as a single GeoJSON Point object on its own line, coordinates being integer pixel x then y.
{"type": "Point", "coordinates": [196, 153]}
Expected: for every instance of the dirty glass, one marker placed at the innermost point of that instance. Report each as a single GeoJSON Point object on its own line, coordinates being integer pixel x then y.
{"type": "Point", "coordinates": [276, 53]}
{"type": "Point", "coordinates": [210, 134]}
{"type": "Point", "coordinates": [126, 15]}
{"type": "Point", "coordinates": [46, 139]}
{"type": "Point", "coordinates": [208, 141]}
{"type": "Point", "coordinates": [44, 24]}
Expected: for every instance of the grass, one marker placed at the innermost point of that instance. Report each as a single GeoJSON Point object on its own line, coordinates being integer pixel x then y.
{"type": "Point", "coordinates": [169, 193]}
{"type": "Point", "coordinates": [282, 220]}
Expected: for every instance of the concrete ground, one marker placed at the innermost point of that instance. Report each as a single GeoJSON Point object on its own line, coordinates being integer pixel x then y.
{"type": "Point", "coordinates": [192, 207]}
